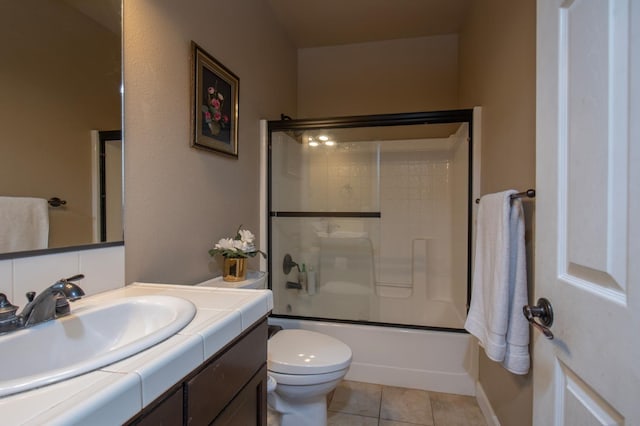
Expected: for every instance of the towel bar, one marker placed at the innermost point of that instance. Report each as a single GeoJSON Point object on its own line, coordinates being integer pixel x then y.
{"type": "Point", "coordinates": [529, 193]}
{"type": "Point", "coordinates": [56, 202]}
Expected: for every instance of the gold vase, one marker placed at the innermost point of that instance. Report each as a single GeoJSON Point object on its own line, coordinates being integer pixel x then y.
{"type": "Point", "coordinates": [235, 269]}
{"type": "Point", "coordinates": [214, 128]}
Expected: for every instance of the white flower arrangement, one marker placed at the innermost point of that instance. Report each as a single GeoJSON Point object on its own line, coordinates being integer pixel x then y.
{"type": "Point", "coordinates": [241, 246]}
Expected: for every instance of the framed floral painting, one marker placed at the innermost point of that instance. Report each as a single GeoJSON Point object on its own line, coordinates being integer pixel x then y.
{"type": "Point", "coordinates": [214, 104]}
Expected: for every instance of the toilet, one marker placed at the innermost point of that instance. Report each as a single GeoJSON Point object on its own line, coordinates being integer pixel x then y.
{"type": "Point", "coordinates": [303, 367]}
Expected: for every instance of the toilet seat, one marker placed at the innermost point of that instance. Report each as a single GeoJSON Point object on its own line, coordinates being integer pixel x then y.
{"type": "Point", "coordinates": [303, 352]}
{"type": "Point", "coordinates": [306, 379]}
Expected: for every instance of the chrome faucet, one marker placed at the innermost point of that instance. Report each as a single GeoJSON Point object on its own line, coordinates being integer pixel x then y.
{"type": "Point", "coordinates": [50, 304]}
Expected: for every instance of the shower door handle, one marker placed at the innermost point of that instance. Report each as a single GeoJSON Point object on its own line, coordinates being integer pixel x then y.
{"type": "Point", "coordinates": [542, 310]}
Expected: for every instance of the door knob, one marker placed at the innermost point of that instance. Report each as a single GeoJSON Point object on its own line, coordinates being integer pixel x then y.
{"type": "Point", "coordinates": [542, 310]}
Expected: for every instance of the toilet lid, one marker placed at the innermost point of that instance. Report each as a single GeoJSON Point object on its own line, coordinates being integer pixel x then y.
{"type": "Point", "coordinates": [306, 352]}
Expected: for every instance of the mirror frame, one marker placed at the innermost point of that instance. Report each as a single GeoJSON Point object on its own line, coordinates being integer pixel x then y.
{"type": "Point", "coordinates": [42, 252]}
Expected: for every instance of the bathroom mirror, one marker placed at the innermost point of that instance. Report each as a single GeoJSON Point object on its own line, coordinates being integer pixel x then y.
{"type": "Point", "coordinates": [61, 90]}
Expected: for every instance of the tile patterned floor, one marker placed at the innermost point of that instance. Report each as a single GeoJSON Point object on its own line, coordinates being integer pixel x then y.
{"type": "Point", "coordinates": [365, 404]}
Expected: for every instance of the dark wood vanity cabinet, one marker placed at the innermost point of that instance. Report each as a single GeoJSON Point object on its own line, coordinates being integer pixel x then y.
{"type": "Point", "coordinates": [229, 389]}
{"type": "Point", "coordinates": [165, 411]}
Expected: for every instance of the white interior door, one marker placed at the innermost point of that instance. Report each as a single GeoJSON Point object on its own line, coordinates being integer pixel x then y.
{"type": "Point", "coordinates": [588, 212]}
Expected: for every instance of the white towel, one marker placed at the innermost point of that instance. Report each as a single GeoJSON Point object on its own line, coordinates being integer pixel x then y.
{"type": "Point", "coordinates": [499, 289]}
{"type": "Point", "coordinates": [24, 224]}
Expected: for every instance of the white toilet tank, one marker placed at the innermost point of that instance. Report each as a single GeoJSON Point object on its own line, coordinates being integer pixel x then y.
{"type": "Point", "coordinates": [255, 279]}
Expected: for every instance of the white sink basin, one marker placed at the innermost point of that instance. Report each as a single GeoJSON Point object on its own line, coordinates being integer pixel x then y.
{"type": "Point", "coordinates": [92, 337]}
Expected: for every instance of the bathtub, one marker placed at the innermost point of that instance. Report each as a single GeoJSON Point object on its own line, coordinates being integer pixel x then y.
{"type": "Point", "coordinates": [437, 361]}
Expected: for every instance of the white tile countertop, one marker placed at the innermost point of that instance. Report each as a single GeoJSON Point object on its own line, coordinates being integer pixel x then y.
{"type": "Point", "coordinates": [117, 392]}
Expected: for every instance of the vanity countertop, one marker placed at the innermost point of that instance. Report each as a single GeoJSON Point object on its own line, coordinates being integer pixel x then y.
{"type": "Point", "coordinates": [117, 392]}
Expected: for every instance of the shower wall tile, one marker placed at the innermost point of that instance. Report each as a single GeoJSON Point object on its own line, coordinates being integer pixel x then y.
{"type": "Point", "coordinates": [410, 188]}
{"type": "Point", "coordinates": [345, 182]}
{"type": "Point", "coordinates": [413, 193]}
{"type": "Point", "coordinates": [420, 265]}
{"type": "Point", "coordinates": [414, 205]}
{"type": "Point", "coordinates": [290, 170]}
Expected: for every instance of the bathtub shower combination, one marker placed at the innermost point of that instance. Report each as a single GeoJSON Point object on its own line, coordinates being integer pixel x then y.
{"type": "Point", "coordinates": [376, 221]}
{"type": "Point", "coordinates": [369, 225]}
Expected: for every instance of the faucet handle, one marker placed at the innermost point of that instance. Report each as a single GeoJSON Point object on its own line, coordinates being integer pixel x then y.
{"type": "Point", "coordinates": [73, 278]}
{"type": "Point", "coordinates": [8, 318]}
{"type": "Point", "coordinates": [70, 290]}
{"type": "Point", "coordinates": [6, 307]}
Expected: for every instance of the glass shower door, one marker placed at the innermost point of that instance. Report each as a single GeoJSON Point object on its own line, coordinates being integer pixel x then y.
{"type": "Point", "coordinates": [373, 224]}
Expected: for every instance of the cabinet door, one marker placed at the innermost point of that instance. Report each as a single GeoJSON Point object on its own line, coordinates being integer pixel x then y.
{"type": "Point", "coordinates": [166, 413]}
{"type": "Point", "coordinates": [213, 388]}
{"type": "Point", "coordinates": [249, 407]}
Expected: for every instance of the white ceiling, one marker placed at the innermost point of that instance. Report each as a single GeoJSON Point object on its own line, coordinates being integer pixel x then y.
{"type": "Point", "coordinates": [314, 23]}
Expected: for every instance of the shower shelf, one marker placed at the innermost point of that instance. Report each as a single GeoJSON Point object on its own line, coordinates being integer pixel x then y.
{"type": "Point", "coordinates": [326, 214]}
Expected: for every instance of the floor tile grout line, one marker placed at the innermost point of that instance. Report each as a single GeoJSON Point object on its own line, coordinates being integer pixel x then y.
{"type": "Point", "coordinates": [422, 422]}
{"type": "Point", "coordinates": [433, 416]}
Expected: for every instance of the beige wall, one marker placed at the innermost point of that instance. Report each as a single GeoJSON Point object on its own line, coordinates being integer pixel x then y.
{"type": "Point", "coordinates": [497, 63]}
{"type": "Point", "coordinates": [59, 79]}
{"type": "Point", "coordinates": [497, 71]}
{"type": "Point", "coordinates": [179, 201]}
{"type": "Point", "coordinates": [406, 75]}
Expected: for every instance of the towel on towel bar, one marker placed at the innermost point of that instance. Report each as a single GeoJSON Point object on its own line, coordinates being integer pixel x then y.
{"type": "Point", "coordinates": [499, 289]}
{"type": "Point", "coordinates": [24, 224]}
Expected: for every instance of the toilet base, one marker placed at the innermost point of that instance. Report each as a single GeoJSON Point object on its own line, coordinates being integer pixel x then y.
{"type": "Point", "coordinates": [311, 413]}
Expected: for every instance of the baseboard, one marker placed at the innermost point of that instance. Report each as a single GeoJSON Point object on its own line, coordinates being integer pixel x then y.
{"type": "Point", "coordinates": [485, 406]}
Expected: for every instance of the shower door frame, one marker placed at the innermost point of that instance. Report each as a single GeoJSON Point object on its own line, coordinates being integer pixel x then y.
{"type": "Point", "coordinates": [378, 120]}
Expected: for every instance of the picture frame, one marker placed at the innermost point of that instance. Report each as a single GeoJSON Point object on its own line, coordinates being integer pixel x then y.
{"type": "Point", "coordinates": [214, 104]}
